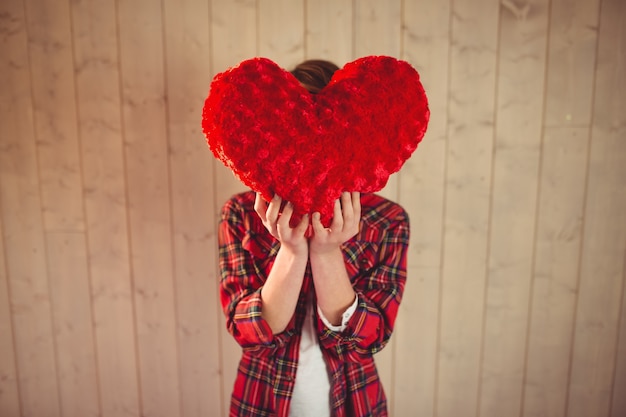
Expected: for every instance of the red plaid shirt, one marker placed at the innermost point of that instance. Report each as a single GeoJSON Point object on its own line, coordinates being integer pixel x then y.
{"type": "Point", "coordinates": [376, 263]}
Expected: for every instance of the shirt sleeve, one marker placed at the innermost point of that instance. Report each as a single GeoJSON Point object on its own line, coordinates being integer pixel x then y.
{"type": "Point", "coordinates": [377, 268]}
{"type": "Point", "coordinates": [240, 286]}
{"type": "Point", "coordinates": [345, 317]}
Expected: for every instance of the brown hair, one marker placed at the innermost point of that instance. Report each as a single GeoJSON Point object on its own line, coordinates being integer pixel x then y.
{"type": "Point", "coordinates": [314, 74]}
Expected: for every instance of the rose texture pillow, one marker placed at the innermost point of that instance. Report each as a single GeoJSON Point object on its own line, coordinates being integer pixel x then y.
{"type": "Point", "coordinates": [278, 138]}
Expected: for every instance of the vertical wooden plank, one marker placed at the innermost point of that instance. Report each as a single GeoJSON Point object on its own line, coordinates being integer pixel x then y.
{"type": "Point", "coordinates": [468, 189]}
{"type": "Point", "coordinates": [73, 325]}
{"type": "Point", "coordinates": [377, 28]}
{"type": "Point", "coordinates": [597, 315]}
{"type": "Point", "coordinates": [618, 397]}
{"type": "Point", "coordinates": [560, 206]}
{"type": "Point", "coordinates": [147, 172]}
{"type": "Point", "coordinates": [573, 37]}
{"type": "Point", "coordinates": [22, 222]}
{"type": "Point", "coordinates": [9, 393]}
{"type": "Point", "coordinates": [604, 230]}
{"type": "Point", "coordinates": [329, 32]}
{"type": "Point", "coordinates": [187, 46]}
{"type": "Point", "coordinates": [281, 31]}
{"type": "Point", "coordinates": [426, 39]}
{"type": "Point", "coordinates": [521, 69]}
{"type": "Point", "coordinates": [99, 123]}
{"type": "Point", "coordinates": [234, 32]}
{"type": "Point", "coordinates": [233, 39]}
{"type": "Point", "coordinates": [557, 250]}
{"type": "Point", "coordinates": [52, 75]}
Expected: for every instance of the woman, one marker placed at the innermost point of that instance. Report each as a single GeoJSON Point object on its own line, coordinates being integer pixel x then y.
{"type": "Point", "coordinates": [310, 305]}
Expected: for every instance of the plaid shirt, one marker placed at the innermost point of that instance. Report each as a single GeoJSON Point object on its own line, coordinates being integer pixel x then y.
{"type": "Point", "coordinates": [376, 263]}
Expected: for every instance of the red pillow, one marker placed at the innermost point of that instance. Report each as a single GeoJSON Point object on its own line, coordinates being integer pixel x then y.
{"type": "Point", "coordinates": [278, 138]}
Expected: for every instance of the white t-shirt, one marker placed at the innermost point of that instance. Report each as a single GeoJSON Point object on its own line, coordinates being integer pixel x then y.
{"type": "Point", "coordinates": [311, 392]}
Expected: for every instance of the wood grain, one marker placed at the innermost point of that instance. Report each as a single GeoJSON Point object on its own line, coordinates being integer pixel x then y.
{"type": "Point", "coordinates": [281, 31]}
{"type": "Point", "coordinates": [601, 278]}
{"type": "Point", "coordinates": [73, 324]}
{"type": "Point", "coordinates": [54, 104]}
{"type": "Point", "coordinates": [573, 41]}
{"type": "Point", "coordinates": [468, 192]}
{"type": "Point", "coordinates": [187, 46]}
{"type": "Point", "coordinates": [100, 129]}
{"type": "Point", "coordinates": [555, 271]}
{"type": "Point", "coordinates": [618, 399]}
{"type": "Point", "coordinates": [559, 228]}
{"type": "Point", "coordinates": [426, 31]}
{"type": "Point", "coordinates": [9, 394]}
{"type": "Point", "coordinates": [329, 30]}
{"type": "Point", "coordinates": [377, 28]}
{"type": "Point", "coordinates": [58, 154]}
{"type": "Point", "coordinates": [516, 160]}
{"type": "Point", "coordinates": [233, 38]}
{"type": "Point", "coordinates": [22, 221]}
{"type": "Point", "coordinates": [149, 214]}
{"type": "Point", "coordinates": [596, 332]}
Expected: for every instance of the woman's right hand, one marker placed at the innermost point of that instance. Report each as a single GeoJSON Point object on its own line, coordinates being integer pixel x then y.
{"type": "Point", "coordinates": [277, 223]}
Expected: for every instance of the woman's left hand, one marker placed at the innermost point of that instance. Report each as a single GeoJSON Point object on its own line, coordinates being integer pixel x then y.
{"type": "Point", "coordinates": [344, 226]}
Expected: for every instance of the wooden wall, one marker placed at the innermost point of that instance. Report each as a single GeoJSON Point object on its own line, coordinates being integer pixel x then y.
{"type": "Point", "coordinates": [109, 201]}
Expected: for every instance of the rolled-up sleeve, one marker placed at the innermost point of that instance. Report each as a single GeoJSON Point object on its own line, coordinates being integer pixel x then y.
{"type": "Point", "coordinates": [241, 284]}
{"type": "Point", "coordinates": [376, 262]}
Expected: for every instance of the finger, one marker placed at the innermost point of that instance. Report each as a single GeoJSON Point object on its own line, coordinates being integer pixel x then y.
{"type": "Point", "coordinates": [337, 223]}
{"type": "Point", "coordinates": [260, 206]}
{"type": "Point", "coordinates": [356, 204]}
{"type": "Point", "coordinates": [318, 227]}
{"type": "Point", "coordinates": [273, 209]}
{"type": "Point", "coordinates": [303, 225]}
{"type": "Point", "coordinates": [285, 217]}
{"type": "Point", "coordinates": [347, 209]}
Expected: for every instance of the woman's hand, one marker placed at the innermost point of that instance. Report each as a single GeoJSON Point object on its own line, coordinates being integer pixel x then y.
{"type": "Point", "coordinates": [332, 284]}
{"type": "Point", "coordinates": [344, 226]}
{"type": "Point", "coordinates": [281, 289]}
{"type": "Point", "coordinates": [277, 223]}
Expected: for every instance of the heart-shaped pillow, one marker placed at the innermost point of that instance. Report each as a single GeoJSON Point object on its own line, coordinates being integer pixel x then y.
{"type": "Point", "coordinates": [307, 148]}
